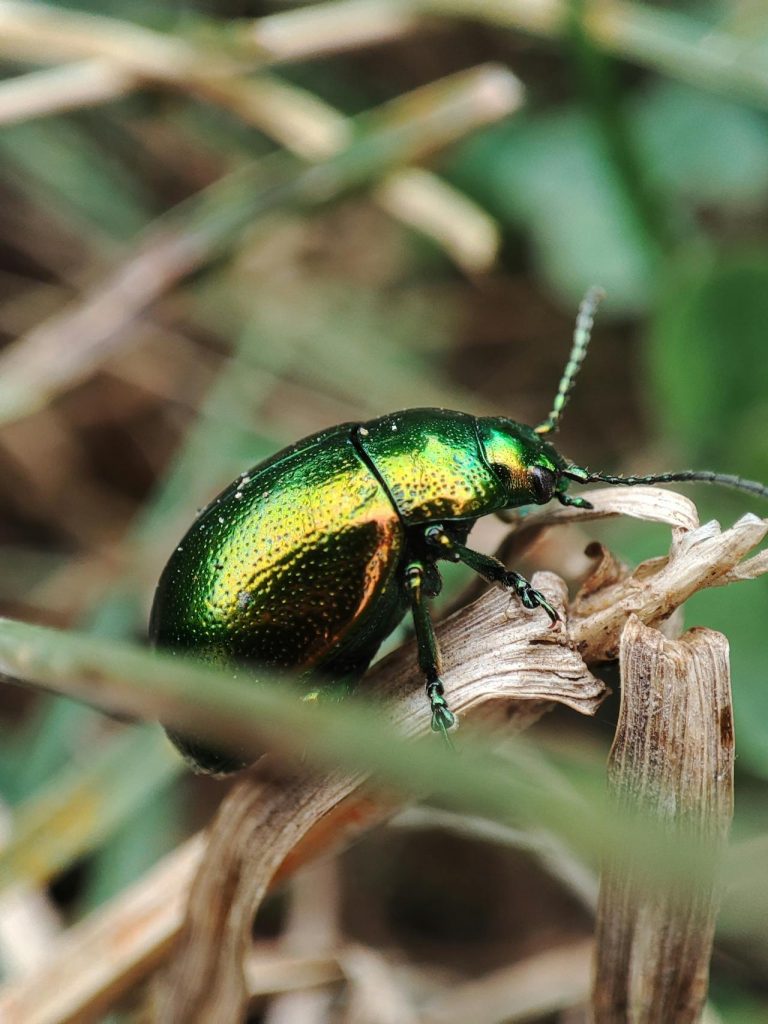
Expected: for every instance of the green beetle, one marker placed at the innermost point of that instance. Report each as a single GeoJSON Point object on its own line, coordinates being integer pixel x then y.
{"type": "Point", "coordinates": [307, 562]}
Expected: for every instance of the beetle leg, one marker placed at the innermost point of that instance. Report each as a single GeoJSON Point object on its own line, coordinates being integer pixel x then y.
{"type": "Point", "coordinates": [568, 499]}
{"type": "Point", "coordinates": [429, 655]}
{"type": "Point", "coordinates": [490, 569]}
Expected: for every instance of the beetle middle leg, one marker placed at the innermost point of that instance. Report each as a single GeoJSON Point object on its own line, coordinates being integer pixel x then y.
{"type": "Point", "coordinates": [489, 568]}
{"type": "Point", "coordinates": [416, 574]}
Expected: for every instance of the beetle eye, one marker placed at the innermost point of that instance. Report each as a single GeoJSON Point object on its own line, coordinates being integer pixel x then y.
{"type": "Point", "coordinates": [542, 483]}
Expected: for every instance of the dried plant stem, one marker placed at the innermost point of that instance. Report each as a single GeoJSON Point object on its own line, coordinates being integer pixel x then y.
{"type": "Point", "coordinates": [672, 761]}
{"type": "Point", "coordinates": [257, 827]}
{"type": "Point", "coordinates": [328, 28]}
{"type": "Point", "coordinates": [78, 981]}
{"type": "Point", "coordinates": [668, 41]}
{"type": "Point", "coordinates": [312, 928]}
{"type": "Point", "coordinates": [183, 993]}
{"type": "Point", "coordinates": [45, 33]}
{"type": "Point", "coordinates": [261, 823]}
{"type": "Point", "coordinates": [535, 987]}
{"type": "Point", "coordinates": [29, 924]}
{"type": "Point", "coordinates": [408, 130]}
{"type": "Point", "coordinates": [123, 57]}
{"type": "Point", "coordinates": [291, 116]}
{"type": "Point", "coordinates": [55, 90]}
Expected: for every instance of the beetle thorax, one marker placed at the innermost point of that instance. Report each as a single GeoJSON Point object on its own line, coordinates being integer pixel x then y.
{"type": "Point", "coordinates": [432, 464]}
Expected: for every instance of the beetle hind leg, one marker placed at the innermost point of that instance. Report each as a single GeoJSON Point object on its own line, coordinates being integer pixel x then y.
{"type": "Point", "coordinates": [490, 569]}
{"type": "Point", "coordinates": [416, 575]}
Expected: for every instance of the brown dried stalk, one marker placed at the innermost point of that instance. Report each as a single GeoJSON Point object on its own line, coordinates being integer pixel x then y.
{"type": "Point", "coordinates": [312, 927]}
{"type": "Point", "coordinates": [409, 130]}
{"type": "Point", "coordinates": [672, 760]}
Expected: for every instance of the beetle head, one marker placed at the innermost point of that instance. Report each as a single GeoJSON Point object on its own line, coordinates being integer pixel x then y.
{"type": "Point", "coordinates": [529, 468]}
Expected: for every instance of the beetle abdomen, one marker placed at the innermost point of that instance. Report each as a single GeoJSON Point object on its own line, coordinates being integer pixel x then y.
{"type": "Point", "coordinates": [294, 566]}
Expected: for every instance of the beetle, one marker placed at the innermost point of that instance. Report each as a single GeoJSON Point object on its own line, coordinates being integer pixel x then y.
{"type": "Point", "coordinates": [308, 561]}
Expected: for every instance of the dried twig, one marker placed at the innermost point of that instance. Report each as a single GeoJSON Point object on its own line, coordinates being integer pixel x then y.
{"type": "Point", "coordinates": [28, 922]}
{"type": "Point", "coordinates": [97, 960]}
{"type": "Point", "coordinates": [55, 90]}
{"type": "Point", "coordinates": [699, 556]}
{"type": "Point", "coordinates": [672, 760]}
{"type": "Point", "coordinates": [327, 28]}
{"type": "Point", "coordinates": [668, 41]}
{"type": "Point", "coordinates": [312, 928]}
{"type": "Point", "coordinates": [375, 997]}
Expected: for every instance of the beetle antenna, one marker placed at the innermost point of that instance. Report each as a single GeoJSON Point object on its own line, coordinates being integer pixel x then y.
{"type": "Point", "coordinates": [581, 335]}
{"type": "Point", "coordinates": [584, 476]}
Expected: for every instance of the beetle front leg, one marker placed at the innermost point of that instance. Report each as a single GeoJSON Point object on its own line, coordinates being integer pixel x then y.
{"type": "Point", "coordinates": [573, 502]}
{"type": "Point", "coordinates": [489, 568]}
{"type": "Point", "coordinates": [428, 652]}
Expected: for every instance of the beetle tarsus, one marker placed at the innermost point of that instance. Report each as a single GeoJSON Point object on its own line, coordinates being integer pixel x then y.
{"type": "Point", "coordinates": [442, 716]}
{"type": "Point", "coordinates": [529, 597]}
{"type": "Point", "coordinates": [571, 501]}
{"type": "Point", "coordinates": [490, 569]}
{"type": "Point", "coordinates": [416, 576]}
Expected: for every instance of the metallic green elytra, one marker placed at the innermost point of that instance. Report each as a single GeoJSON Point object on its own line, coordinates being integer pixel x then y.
{"type": "Point", "coordinates": [308, 561]}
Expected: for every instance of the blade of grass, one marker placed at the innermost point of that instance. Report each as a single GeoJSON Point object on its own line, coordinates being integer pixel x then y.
{"type": "Point", "coordinates": [73, 813]}
{"type": "Point", "coordinates": [198, 700]}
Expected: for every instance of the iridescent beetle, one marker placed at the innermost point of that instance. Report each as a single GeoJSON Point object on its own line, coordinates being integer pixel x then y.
{"type": "Point", "coordinates": [308, 561]}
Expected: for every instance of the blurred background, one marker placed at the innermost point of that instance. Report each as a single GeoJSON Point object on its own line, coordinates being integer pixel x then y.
{"type": "Point", "coordinates": [159, 338]}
